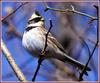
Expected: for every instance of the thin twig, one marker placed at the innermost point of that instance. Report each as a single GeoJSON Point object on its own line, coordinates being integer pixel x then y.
{"type": "Point", "coordinates": [93, 42]}
{"type": "Point", "coordinates": [69, 10]}
{"type": "Point", "coordinates": [12, 63]}
{"type": "Point", "coordinates": [37, 69]}
{"type": "Point", "coordinates": [84, 69]}
{"type": "Point", "coordinates": [13, 11]}
{"type": "Point", "coordinates": [46, 37]}
{"type": "Point", "coordinates": [42, 53]}
{"type": "Point", "coordinates": [84, 42]}
{"type": "Point", "coordinates": [83, 14]}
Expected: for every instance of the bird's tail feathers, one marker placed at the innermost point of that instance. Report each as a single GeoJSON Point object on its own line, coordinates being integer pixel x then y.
{"type": "Point", "coordinates": [74, 62]}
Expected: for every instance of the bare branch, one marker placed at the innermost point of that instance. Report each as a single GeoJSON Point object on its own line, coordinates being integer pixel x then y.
{"type": "Point", "coordinates": [37, 69]}
{"type": "Point", "coordinates": [83, 14]}
{"type": "Point", "coordinates": [91, 54]}
{"type": "Point", "coordinates": [69, 10]}
{"type": "Point", "coordinates": [13, 11]}
{"type": "Point", "coordinates": [12, 63]}
{"type": "Point", "coordinates": [46, 37]}
{"type": "Point", "coordinates": [42, 53]}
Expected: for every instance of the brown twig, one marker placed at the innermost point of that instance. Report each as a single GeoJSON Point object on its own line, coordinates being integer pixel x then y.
{"type": "Point", "coordinates": [13, 11]}
{"type": "Point", "coordinates": [84, 69]}
{"type": "Point", "coordinates": [12, 63]}
{"type": "Point", "coordinates": [42, 53]}
{"type": "Point", "coordinates": [70, 10]}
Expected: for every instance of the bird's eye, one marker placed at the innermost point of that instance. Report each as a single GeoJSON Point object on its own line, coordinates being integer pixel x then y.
{"type": "Point", "coordinates": [37, 19]}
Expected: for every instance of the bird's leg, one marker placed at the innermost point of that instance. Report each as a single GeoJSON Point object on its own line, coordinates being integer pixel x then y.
{"type": "Point", "coordinates": [37, 69]}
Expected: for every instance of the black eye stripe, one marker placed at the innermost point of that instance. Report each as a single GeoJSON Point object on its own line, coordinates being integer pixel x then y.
{"type": "Point", "coordinates": [34, 20]}
{"type": "Point", "coordinates": [29, 28]}
{"type": "Point", "coordinates": [37, 19]}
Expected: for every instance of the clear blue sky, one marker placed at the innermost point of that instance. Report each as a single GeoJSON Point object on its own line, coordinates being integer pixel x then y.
{"type": "Point", "coordinates": [21, 55]}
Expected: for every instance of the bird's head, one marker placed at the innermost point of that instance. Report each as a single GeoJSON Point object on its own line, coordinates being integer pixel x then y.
{"type": "Point", "coordinates": [36, 19]}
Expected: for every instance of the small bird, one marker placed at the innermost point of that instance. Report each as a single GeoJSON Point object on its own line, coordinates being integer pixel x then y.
{"type": "Point", "coordinates": [34, 41]}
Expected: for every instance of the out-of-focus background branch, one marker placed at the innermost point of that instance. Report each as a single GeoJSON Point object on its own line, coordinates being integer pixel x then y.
{"type": "Point", "coordinates": [68, 28]}
{"type": "Point", "coordinates": [12, 63]}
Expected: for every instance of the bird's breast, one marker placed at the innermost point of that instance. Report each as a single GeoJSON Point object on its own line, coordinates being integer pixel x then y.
{"type": "Point", "coordinates": [33, 40]}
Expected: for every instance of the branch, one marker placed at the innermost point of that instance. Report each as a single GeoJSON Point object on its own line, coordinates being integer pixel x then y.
{"type": "Point", "coordinates": [84, 69]}
{"type": "Point", "coordinates": [13, 11]}
{"type": "Point", "coordinates": [46, 37]}
{"type": "Point", "coordinates": [42, 53]}
{"type": "Point", "coordinates": [83, 14]}
{"type": "Point", "coordinates": [69, 10]}
{"type": "Point", "coordinates": [12, 63]}
{"type": "Point", "coordinates": [37, 69]}
{"type": "Point", "coordinates": [13, 32]}
{"type": "Point", "coordinates": [84, 42]}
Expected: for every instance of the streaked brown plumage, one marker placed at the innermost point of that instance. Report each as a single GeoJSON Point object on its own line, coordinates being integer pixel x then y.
{"type": "Point", "coordinates": [34, 41]}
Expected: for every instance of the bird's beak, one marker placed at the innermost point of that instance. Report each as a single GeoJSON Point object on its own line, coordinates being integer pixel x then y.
{"type": "Point", "coordinates": [42, 19]}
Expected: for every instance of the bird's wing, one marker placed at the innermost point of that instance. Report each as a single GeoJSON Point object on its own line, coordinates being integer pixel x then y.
{"type": "Point", "coordinates": [53, 40]}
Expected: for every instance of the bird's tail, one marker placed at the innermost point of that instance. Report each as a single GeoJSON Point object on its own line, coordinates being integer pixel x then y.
{"type": "Point", "coordinates": [74, 62]}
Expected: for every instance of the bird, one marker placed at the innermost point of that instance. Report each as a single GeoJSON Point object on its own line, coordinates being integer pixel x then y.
{"type": "Point", "coordinates": [34, 41]}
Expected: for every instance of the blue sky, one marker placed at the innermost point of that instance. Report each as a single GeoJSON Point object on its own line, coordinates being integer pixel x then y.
{"type": "Point", "coordinates": [21, 55]}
